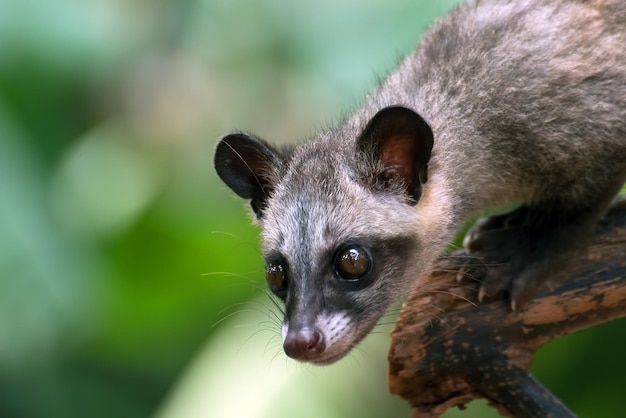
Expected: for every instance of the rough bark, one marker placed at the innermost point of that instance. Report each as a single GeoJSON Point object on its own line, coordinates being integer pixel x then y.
{"type": "Point", "coordinates": [447, 350]}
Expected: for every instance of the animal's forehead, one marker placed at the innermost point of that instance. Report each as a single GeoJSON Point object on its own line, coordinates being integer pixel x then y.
{"type": "Point", "coordinates": [308, 221]}
{"type": "Point", "coordinates": [316, 166]}
{"type": "Point", "coordinates": [321, 202]}
{"type": "Point", "coordinates": [310, 212]}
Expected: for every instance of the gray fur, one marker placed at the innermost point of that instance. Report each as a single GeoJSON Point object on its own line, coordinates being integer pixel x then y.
{"type": "Point", "coordinates": [527, 103]}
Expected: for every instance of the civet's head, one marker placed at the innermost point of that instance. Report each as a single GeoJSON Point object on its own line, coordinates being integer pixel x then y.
{"type": "Point", "coordinates": [338, 224]}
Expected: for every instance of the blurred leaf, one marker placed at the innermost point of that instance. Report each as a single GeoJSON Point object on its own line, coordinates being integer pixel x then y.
{"type": "Point", "coordinates": [104, 183]}
{"type": "Point", "coordinates": [45, 279]}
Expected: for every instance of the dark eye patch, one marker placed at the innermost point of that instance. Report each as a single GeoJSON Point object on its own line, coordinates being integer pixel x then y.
{"type": "Point", "coordinates": [360, 261]}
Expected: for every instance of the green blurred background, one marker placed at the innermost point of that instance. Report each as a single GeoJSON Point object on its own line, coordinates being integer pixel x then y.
{"type": "Point", "coordinates": [131, 283]}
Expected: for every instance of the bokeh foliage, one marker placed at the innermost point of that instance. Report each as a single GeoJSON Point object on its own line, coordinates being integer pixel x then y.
{"type": "Point", "coordinates": [120, 249]}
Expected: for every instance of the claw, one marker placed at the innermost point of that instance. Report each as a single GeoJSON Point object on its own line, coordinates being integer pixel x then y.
{"type": "Point", "coordinates": [482, 294]}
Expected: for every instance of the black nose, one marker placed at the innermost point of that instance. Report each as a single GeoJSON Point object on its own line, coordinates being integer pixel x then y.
{"type": "Point", "coordinates": [304, 344]}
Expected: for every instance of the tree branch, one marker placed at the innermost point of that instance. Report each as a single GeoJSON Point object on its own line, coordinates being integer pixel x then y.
{"type": "Point", "coordinates": [446, 350]}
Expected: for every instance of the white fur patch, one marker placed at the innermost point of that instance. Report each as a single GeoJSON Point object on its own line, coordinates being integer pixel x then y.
{"type": "Point", "coordinates": [338, 331]}
{"type": "Point", "coordinates": [336, 328]}
{"type": "Point", "coordinates": [285, 328]}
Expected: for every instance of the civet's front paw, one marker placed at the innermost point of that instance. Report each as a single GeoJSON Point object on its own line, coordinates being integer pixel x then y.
{"type": "Point", "coordinates": [505, 255]}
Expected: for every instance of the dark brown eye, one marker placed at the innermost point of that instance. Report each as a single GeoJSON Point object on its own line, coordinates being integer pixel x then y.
{"type": "Point", "coordinates": [352, 263]}
{"type": "Point", "coordinates": [276, 277]}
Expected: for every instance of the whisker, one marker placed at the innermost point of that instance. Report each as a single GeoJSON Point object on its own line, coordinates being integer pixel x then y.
{"type": "Point", "coordinates": [227, 234]}
{"type": "Point", "coordinates": [224, 273]}
{"type": "Point", "coordinates": [277, 303]}
{"type": "Point", "coordinates": [230, 315]}
{"type": "Point", "coordinates": [250, 337]}
{"type": "Point", "coordinates": [245, 241]}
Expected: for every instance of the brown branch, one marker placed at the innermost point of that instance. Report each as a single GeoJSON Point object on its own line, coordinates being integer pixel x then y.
{"type": "Point", "coordinates": [447, 350]}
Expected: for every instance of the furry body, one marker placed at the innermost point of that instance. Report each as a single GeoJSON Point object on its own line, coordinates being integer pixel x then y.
{"type": "Point", "coordinates": [521, 103]}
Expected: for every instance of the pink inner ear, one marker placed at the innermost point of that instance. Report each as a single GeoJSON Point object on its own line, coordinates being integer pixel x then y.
{"type": "Point", "coordinates": [397, 154]}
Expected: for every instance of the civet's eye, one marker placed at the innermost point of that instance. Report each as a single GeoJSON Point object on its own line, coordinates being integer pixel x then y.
{"type": "Point", "coordinates": [352, 263]}
{"type": "Point", "coordinates": [276, 277]}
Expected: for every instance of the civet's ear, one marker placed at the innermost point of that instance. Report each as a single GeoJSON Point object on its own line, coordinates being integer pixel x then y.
{"type": "Point", "coordinates": [249, 166]}
{"type": "Point", "coordinates": [398, 142]}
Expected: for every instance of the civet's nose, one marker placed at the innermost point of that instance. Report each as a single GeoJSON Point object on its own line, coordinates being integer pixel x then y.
{"type": "Point", "coordinates": [304, 344]}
